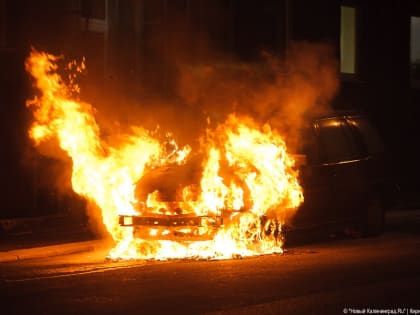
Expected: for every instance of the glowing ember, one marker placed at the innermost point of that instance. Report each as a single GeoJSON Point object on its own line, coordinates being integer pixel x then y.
{"type": "Point", "coordinates": [246, 173]}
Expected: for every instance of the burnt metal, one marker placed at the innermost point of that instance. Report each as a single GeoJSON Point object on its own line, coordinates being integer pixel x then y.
{"type": "Point", "coordinates": [172, 220]}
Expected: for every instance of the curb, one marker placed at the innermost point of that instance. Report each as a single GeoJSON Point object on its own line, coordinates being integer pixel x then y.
{"type": "Point", "coordinates": [50, 251]}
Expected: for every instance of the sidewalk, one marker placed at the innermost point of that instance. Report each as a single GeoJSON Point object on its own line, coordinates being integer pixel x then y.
{"type": "Point", "coordinates": [50, 251]}
{"type": "Point", "coordinates": [29, 238]}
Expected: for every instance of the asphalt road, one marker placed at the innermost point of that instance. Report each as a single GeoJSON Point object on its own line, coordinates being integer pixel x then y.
{"type": "Point", "coordinates": [371, 275]}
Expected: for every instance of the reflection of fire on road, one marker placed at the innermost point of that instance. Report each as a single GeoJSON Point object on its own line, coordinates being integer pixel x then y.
{"type": "Point", "coordinates": [245, 172]}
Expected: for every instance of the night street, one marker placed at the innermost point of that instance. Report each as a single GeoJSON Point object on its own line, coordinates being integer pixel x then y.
{"type": "Point", "coordinates": [319, 278]}
{"type": "Point", "coordinates": [209, 157]}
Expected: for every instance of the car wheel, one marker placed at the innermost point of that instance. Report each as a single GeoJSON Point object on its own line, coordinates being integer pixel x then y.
{"type": "Point", "coordinates": [374, 218]}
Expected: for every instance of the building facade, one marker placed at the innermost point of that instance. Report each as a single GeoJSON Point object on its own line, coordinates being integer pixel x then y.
{"type": "Point", "coordinates": [130, 44]}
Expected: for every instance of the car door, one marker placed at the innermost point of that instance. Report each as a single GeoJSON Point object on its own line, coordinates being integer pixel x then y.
{"type": "Point", "coordinates": [343, 162]}
{"type": "Point", "coordinates": [375, 164]}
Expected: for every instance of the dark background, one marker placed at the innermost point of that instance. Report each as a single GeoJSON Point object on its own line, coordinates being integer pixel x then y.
{"type": "Point", "coordinates": [126, 44]}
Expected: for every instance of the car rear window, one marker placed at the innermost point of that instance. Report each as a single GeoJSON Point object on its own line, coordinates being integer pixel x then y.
{"type": "Point", "coordinates": [368, 134]}
{"type": "Point", "coordinates": [337, 143]}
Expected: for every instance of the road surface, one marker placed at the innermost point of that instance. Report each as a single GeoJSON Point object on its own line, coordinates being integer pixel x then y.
{"type": "Point", "coordinates": [347, 276]}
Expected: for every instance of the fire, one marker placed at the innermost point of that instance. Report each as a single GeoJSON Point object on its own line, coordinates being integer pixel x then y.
{"type": "Point", "coordinates": [246, 171]}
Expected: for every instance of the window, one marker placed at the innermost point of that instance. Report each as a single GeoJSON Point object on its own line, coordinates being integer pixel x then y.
{"type": "Point", "coordinates": [369, 135]}
{"type": "Point", "coordinates": [93, 15]}
{"type": "Point", "coordinates": [3, 23]}
{"type": "Point", "coordinates": [348, 40]}
{"type": "Point", "coordinates": [338, 145]}
{"type": "Point", "coordinates": [415, 48]}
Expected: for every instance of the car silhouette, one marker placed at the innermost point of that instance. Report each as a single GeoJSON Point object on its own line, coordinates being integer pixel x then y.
{"type": "Point", "coordinates": [343, 170]}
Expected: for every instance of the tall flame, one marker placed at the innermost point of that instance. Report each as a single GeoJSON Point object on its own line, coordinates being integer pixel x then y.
{"type": "Point", "coordinates": [246, 169]}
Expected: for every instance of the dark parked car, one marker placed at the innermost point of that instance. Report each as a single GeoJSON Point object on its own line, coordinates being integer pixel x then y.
{"type": "Point", "coordinates": [346, 178]}
{"type": "Point", "coordinates": [343, 172]}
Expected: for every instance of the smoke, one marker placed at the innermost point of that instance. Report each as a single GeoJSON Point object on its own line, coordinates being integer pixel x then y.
{"type": "Point", "coordinates": [283, 92]}
{"type": "Point", "coordinates": [183, 71]}
{"type": "Point", "coordinates": [189, 82]}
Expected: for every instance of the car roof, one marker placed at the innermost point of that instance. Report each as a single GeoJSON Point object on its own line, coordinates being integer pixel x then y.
{"type": "Point", "coordinates": [340, 114]}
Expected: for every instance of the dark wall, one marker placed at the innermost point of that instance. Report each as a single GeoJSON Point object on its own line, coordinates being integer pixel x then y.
{"type": "Point", "coordinates": [46, 25]}
{"type": "Point", "coordinates": [315, 21]}
{"type": "Point", "coordinates": [258, 27]}
{"type": "Point", "coordinates": [381, 87]}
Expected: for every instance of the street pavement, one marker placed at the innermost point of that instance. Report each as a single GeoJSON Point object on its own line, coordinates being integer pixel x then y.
{"type": "Point", "coordinates": [50, 237]}
{"type": "Point", "coordinates": [362, 275]}
{"type": "Point", "coordinates": [336, 277]}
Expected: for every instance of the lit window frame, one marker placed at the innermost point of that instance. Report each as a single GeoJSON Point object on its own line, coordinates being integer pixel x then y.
{"type": "Point", "coordinates": [94, 24]}
{"type": "Point", "coordinates": [414, 82]}
{"type": "Point", "coordinates": [350, 75]}
{"type": "Point", "coordinates": [3, 24]}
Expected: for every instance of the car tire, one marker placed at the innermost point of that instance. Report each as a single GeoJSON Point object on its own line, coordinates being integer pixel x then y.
{"type": "Point", "coordinates": [374, 217]}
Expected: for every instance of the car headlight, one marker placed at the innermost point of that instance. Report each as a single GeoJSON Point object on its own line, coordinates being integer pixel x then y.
{"type": "Point", "coordinates": [127, 220]}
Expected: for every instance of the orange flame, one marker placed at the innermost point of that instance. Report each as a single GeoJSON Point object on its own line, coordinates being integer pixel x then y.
{"type": "Point", "coordinates": [247, 170]}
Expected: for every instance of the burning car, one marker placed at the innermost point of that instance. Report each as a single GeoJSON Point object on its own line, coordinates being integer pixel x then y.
{"type": "Point", "coordinates": [342, 171]}
{"type": "Point", "coordinates": [241, 187]}
{"type": "Point", "coordinates": [165, 216]}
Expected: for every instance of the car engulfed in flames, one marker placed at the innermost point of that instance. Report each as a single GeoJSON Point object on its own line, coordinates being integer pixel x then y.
{"type": "Point", "coordinates": [163, 216]}
{"type": "Point", "coordinates": [229, 197]}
